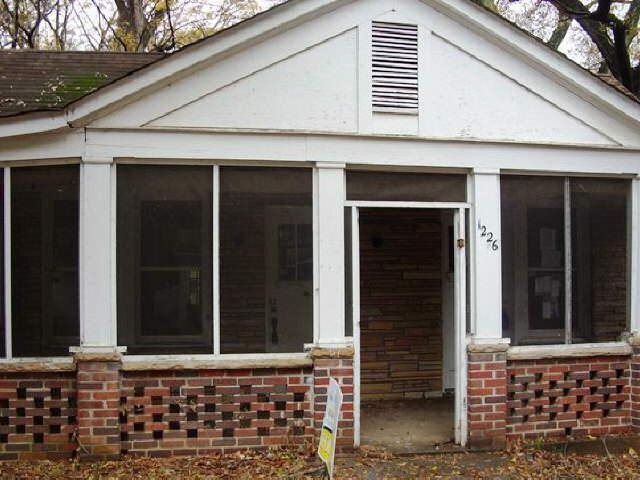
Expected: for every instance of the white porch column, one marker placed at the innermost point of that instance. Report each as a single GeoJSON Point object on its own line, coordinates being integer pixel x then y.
{"type": "Point", "coordinates": [487, 270]}
{"type": "Point", "coordinates": [633, 254]}
{"type": "Point", "coordinates": [330, 188]}
{"type": "Point", "coordinates": [97, 228]}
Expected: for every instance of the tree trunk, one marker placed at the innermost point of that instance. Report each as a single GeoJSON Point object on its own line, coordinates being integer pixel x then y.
{"type": "Point", "coordinates": [613, 48]}
{"type": "Point", "coordinates": [132, 25]}
{"type": "Point", "coordinates": [560, 32]}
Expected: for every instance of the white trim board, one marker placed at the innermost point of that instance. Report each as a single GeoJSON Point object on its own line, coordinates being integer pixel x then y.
{"type": "Point", "coordinates": [392, 204]}
{"type": "Point", "coordinates": [459, 422]}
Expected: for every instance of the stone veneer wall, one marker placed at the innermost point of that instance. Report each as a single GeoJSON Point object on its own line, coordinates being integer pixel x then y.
{"type": "Point", "coordinates": [99, 409]}
{"type": "Point", "coordinates": [401, 303]}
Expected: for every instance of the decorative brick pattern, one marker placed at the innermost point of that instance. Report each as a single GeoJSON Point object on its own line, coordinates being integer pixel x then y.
{"type": "Point", "coordinates": [100, 410]}
{"type": "Point", "coordinates": [568, 397]}
{"type": "Point", "coordinates": [37, 415]}
{"type": "Point", "coordinates": [98, 393]}
{"type": "Point", "coordinates": [198, 412]}
{"type": "Point", "coordinates": [634, 388]}
{"type": "Point", "coordinates": [401, 303]}
{"type": "Point", "coordinates": [487, 389]}
{"type": "Point", "coordinates": [341, 369]}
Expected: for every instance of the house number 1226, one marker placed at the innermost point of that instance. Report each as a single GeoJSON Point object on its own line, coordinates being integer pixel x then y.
{"type": "Point", "coordinates": [489, 236]}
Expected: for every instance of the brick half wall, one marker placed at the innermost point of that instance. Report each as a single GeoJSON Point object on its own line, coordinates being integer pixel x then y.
{"type": "Point", "coordinates": [193, 412]}
{"type": "Point", "coordinates": [554, 398]}
{"type": "Point", "coordinates": [99, 408]}
{"type": "Point", "coordinates": [573, 397]}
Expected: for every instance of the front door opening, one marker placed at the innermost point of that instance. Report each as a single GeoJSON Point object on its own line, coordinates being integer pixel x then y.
{"type": "Point", "coordinates": [406, 357]}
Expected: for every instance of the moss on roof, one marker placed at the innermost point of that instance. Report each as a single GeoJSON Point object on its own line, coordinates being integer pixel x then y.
{"type": "Point", "coordinates": [49, 80]}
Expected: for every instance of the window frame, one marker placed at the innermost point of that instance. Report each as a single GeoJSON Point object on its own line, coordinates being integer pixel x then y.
{"type": "Point", "coordinates": [314, 266]}
{"type": "Point", "coordinates": [133, 331]}
{"type": "Point", "coordinates": [215, 324]}
{"type": "Point", "coordinates": [7, 264]}
{"type": "Point", "coordinates": [521, 329]}
{"type": "Point", "coordinates": [215, 256]}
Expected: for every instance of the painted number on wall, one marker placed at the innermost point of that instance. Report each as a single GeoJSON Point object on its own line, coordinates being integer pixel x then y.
{"type": "Point", "coordinates": [488, 236]}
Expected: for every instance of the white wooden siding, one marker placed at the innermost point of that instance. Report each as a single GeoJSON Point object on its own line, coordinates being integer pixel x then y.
{"type": "Point", "coordinates": [318, 77]}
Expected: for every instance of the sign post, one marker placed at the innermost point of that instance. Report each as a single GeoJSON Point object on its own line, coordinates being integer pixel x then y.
{"type": "Point", "coordinates": [327, 445]}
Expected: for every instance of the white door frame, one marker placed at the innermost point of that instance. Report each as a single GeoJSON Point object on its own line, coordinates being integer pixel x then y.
{"type": "Point", "coordinates": [460, 325]}
{"type": "Point", "coordinates": [459, 213]}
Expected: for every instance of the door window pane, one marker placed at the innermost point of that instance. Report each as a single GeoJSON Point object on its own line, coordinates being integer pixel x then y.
{"type": "Point", "coordinates": [164, 248]}
{"type": "Point", "coordinates": [599, 258]}
{"type": "Point", "coordinates": [44, 231]}
{"type": "Point", "coordinates": [295, 260]}
{"type": "Point", "coordinates": [410, 187]}
{"type": "Point", "coordinates": [533, 258]}
{"type": "Point", "coordinates": [266, 259]}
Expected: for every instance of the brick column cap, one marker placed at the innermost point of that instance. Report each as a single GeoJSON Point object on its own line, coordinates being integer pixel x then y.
{"type": "Point", "coordinates": [633, 338]}
{"type": "Point", "coordinates": [319, 351]}
{"type": "Point", "coordinates": [495, 345]}
{"type": "Point", "coordinates": [97, 354]}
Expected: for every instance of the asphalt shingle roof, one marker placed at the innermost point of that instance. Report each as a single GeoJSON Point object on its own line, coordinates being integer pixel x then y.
{"type": "Point", "coordinates": [32, 80]}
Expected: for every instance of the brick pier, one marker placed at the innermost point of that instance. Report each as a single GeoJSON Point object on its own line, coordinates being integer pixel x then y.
{"type": "Point", "coordinates": [487, 394]}
{"type": "Point", "coordinates": [98, 385]}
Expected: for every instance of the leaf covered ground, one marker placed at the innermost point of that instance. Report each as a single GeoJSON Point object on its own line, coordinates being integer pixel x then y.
{"type": "Point", "coordinates": [283, 463]}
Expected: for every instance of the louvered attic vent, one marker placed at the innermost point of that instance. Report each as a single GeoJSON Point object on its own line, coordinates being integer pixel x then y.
{"type": "Point", "coordinates": [394, 67]}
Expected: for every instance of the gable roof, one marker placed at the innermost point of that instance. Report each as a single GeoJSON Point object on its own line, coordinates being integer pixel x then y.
{"type": "Point", "coordinates": [35, 80]}
{"type": "Point", "coordinates": [615, 83]}
{"type": "Point", "coordinates": [45, 80]}
{"type": "Point", "coordinates": [604, 93]}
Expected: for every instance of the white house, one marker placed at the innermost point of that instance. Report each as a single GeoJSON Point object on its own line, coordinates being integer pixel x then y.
{"type": "Point", "coordinates": [412, 197]}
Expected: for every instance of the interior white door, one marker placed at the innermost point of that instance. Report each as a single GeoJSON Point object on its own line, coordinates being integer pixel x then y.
{"type": "Point", "coordinates": [289, 271]}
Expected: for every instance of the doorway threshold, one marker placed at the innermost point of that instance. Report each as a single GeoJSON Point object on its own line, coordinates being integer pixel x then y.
{"type": "Point", "coordinates": [409, 426]}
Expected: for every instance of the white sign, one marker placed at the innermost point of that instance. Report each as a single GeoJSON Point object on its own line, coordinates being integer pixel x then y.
{"type": "Point", "coordinates": [327, 446]}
